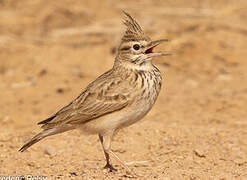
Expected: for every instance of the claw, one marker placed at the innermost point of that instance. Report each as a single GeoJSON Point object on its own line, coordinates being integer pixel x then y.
{"type": "Point", "coordinates": [132, 175]}
{"type": "Point", "coordinates": [110, 167]}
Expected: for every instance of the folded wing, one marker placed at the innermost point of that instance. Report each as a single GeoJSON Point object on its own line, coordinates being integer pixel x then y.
{"type": "Point", "coordinates": [105, 95]}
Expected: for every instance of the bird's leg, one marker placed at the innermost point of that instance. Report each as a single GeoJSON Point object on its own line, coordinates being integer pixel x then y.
{"type": "Point", "coordinates": [107, 149]}
{"type": "Point", "coordinates": [107, 157]}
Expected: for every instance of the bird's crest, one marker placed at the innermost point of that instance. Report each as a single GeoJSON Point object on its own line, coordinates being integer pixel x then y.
{"type": "Point", "coordinates": [134, 31]}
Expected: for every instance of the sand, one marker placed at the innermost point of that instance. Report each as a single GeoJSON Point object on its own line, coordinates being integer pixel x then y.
{"type": "Point", "coordinates": [51, 50]}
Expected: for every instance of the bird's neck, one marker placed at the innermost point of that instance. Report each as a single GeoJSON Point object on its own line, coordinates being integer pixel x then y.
{"type": "Point", "coordinates": [129, 66]}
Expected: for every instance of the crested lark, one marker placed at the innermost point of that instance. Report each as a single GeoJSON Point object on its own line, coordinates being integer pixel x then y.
{"type": "Point", "coordinates": [117, 98]}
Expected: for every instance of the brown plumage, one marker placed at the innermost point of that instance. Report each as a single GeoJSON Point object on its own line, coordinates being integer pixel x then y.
{"type": "Point", "coordinates": [133, 31]}
{"type": "Point", "coordinates": [116, 99]}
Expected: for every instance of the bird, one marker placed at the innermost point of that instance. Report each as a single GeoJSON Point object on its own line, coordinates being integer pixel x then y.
{"type": "Point", "coordinates": [118, 98]}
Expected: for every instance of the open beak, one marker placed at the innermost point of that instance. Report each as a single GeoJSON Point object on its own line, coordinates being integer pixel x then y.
{"type": "Point", "coordinates": [149, 50]}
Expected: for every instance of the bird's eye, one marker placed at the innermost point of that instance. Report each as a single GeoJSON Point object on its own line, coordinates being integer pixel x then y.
{"type": "Point", "coordinates": [136, 47]}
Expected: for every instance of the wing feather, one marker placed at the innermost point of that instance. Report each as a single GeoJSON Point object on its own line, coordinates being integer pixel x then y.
{"type": "Point", "coordinates": [105, 95]}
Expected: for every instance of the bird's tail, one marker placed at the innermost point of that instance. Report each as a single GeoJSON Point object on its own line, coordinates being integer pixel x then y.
{"type": "Point", "coordinates": [45, 133]}
{"type": "Point", "coordinates": [36, 139]}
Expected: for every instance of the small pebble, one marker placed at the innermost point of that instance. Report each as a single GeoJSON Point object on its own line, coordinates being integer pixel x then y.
{"type": "Point", "coordinates": [199, 153]}
{"type": "Point", "coordinates": [73, 174]}
{"type": "Point", "coordinates": [42, 72]}
{"type": "Point", "coordinates": [223, 77]}
{"type": "Point", "coordinates": [191, 83]}
{"type": "Point", "coordinates": [49, 151]}
{"type": "Point", "coordinates": [77, 71]}
{"type": "Point", "coordinates": [60, 90]}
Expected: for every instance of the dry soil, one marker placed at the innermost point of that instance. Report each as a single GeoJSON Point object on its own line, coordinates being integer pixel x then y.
{"type": "Point", "coordinates": [50, 51]}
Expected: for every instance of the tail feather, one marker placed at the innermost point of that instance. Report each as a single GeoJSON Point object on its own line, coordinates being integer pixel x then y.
{"type": "Point", "coordinates": [34, 140]}
{"type": "Point", "coordinates": [43, 134]}
{"type": "Point", "coordinates": [38, 137]}
{"type": "Point", "coordinates": [47, 120]}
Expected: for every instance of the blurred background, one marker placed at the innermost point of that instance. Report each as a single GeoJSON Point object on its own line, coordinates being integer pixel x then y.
{"type": "Point", "coordinates": [50, 51]}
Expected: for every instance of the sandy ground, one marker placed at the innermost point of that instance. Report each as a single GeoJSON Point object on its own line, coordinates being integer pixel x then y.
{"type": "Point", "coordinates": [50, 51]}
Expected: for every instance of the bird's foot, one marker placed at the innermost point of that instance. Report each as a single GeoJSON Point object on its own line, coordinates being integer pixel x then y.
{"type": "Point", "coordinates": [110, 168]}
{"type": "Point", "coordinates": [132, 174]}
{"type": "Point", "coordinates": [129, 173]}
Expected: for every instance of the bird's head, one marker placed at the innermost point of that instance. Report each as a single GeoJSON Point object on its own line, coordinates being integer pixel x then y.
{"type": "Point", "coordinates": [136, 47]}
